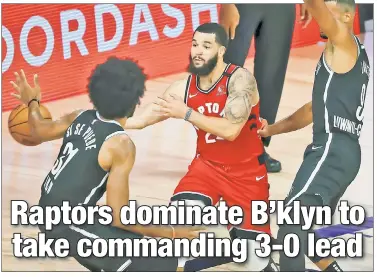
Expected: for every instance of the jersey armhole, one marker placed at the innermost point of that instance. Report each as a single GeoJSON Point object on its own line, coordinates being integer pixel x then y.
{"type": "Point", "coordinates": [115, 134]}
{"type": "Point", "coordinates": [188, 83]}
{"type": "Point", "coordinates": [80, 113]}
{"type": "Point", "coordinates": [229, 75]}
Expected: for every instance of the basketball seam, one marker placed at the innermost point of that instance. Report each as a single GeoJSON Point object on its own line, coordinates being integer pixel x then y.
{"type": "Point", "coordinates": [21, 134]}
{"type": "Point", "coordinates": [9, 121]}
{"type": "Point", "coordinates": [25, 122]}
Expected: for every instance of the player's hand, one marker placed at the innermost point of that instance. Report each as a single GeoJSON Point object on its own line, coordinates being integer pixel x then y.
{"type": "Point", "coordinates": [25, 93]}
{"type": "Point", "coordinates": [172, 106]}
{"type": "Point", "coordinates": [264, 131]}
{"type": "Point", "coordinates": [306, 17]}
{"type": "Point", "coordinates": [229, 19]}
{"type": "Point", "coordinates": [188, 232]}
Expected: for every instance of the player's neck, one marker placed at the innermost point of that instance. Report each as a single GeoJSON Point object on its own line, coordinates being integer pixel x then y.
{"type": "Point", "coordinates": [216, 73]}
{"type": "Point", "coordinates": [121, 121]}
{"type": "Point", "coordinates": [329, 47]}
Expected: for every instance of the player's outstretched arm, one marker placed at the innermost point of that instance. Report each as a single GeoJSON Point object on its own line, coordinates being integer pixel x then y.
{"type": "Point", "coordinates": [150, 115]}
{"type": "Point", "coordinates": [243, 94]}
{"type": "Point", "coordinates": [117, 155]}
{"type": "Point", "coordinates": [298, 120]}
{"type": "Point", "coordinates": [44, 130]}
{"type": "Point", "coordinates": [336, 32]}
{"type": "Point", "coordinates": [47, 130]}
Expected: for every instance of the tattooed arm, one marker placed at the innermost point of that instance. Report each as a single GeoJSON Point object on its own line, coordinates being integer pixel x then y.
{"type": "Point", "coordinates": [243, 94]}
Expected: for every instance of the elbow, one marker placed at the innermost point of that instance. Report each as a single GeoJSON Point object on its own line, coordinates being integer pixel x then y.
{"type": "Point", "coordinates": [116, 222]}
{"type": "Point", "coordinates": [231, 134]}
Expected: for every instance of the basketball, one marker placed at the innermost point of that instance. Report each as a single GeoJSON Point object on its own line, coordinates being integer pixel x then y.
{"type": "Point", "coordinates": [18, 124]}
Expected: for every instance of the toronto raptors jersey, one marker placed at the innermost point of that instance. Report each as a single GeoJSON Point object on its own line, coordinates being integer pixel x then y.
{"type": "Point", "coordinates": [211, 102]}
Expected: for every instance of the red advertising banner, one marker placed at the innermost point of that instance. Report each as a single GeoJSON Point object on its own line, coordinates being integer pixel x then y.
{"type": "Point", "coordinates": [63, 42]}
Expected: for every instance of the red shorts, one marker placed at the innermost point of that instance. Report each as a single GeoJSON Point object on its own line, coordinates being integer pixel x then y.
{"type": "Point", "coordinates": [236, 184]}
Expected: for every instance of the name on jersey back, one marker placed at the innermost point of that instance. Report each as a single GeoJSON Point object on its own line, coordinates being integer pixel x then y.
{"type": "Point", "coordinates": [85, 131]}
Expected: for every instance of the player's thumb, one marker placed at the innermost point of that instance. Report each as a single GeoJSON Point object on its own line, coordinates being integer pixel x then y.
{"type": "Point", "coordinates": [233, 28]}
{"type": "Point", "coordinates": [262, 132]}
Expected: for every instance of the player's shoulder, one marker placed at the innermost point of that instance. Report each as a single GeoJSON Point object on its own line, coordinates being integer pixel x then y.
{"type": "Point", "coordinates": [119, 149]}
{"type": "Point", "coordinates": [241, 72]}
{"type": "Point", "coordinates": [241, 77]}
{"type": "Point", "coordinates": [120, 145]}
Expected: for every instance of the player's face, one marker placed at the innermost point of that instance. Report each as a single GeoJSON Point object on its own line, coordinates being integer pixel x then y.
{"type": "Point", "coordinates": [204, 54]}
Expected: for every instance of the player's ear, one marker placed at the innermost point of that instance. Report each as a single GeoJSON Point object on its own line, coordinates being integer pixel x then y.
{"type": "Point", "coordinates": [222, 51]}
{"type": "Point", "coordinates": [347, 17]}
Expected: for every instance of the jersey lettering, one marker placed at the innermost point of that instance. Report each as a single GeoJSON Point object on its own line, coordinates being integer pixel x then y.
{"type": "Point", "coordinates": [212, 108]}
{"type": "Point", "coordinates": [360, 108]}
{"type": "Point", "coordinates": [86, 132]}
{"type": "Point", "coordinates": [68, 153]}
{"type": "Point", "coordinates": [212, 138]}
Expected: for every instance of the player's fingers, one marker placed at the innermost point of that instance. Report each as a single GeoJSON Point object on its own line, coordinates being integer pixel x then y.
{"type": "Point", "coordinates": [162, 99]}
{"type": "Point", "coordinates": [36, 81]}
{"type": "Point", "coordinates": [302, 12]}
{"type": "Point", "coordinates": [23, 77]}
{"type": "Point", "coordinates": [176, 97]}
{"type": "Point", "coordinates": [160, 103]}
{"type": "Point", "coordinates": [262, 133]}
{"type": "Point", "coordinates": [264, 123]}
{"type": "Point", "coordinates": [160, 109]}
{"type": "Point", "coordinates": [173, 95]}
{"type": "Point", "coordinates": [307, 22]}
{"type": "Point", "coordinates": [15, 86]}
{"type": "Point", "coordinates": [232, 32]}
{"type": "Point", "coordinates": [16, 95]}
{"type": "Point", "coordinates": [18, 79]}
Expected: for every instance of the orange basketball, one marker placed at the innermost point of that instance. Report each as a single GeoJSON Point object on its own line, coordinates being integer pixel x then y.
{"type": "Point", "coordinates": [18, 124]}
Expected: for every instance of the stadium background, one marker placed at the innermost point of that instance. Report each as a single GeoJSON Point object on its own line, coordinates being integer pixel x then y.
{"type": "Point", "coordinates": [158, 36]}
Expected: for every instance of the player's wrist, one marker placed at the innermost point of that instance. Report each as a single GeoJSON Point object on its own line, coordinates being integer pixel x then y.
{"type": "Point", "coordinates": [188, 114]}
{"type": "Point", "coordinates": [33, 102]}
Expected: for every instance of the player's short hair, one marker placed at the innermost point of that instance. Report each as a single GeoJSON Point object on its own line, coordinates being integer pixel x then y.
{"type": "Point", "coordinates": [116, 86]}
{"type": "Point", "coordinates": [347, 5]}
{"type": "Point", "coordinates": [221, 36]}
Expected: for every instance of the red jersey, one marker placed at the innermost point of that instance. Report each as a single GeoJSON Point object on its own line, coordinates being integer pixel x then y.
{"type": "Point", "coordinates": [211, 102]}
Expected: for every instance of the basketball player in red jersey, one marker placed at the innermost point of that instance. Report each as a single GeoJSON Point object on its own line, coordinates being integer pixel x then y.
{"type": "Point", "coordinates": [222, 102]}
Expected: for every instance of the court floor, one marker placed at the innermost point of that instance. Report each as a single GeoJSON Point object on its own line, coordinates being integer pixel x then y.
{"type": "Point", "coordinates": [165, 150]}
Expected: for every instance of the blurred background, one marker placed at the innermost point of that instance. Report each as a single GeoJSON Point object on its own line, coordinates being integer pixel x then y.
{"type": "Point", "coordinates": [68, 40]}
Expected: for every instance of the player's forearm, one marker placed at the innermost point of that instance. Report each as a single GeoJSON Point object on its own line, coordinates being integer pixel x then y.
{"type": "Point", "coordinates": [146, 118]}
{"type": "Point", "coordinates": [38, 125]}
{"type": "Point", "coordinates": [298, 120]}
{"type": "Point", "coordinates": [135, 122]}
{"type": "Point", "coordinates": [220, 127]}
